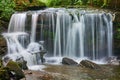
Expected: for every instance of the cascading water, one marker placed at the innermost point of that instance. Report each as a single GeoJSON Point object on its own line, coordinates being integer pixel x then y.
{"type": "Point", "coordinates": [65, 32]}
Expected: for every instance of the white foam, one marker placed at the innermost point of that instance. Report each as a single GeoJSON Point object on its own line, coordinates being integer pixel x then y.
{"type": "Point", "coordinates": [37, 67]}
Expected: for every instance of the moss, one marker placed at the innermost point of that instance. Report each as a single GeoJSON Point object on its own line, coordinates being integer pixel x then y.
{"type": "Point", "coordinates": [14, 67]}
{"type": "Point", "coordinates": [4, 74]}
{"type": "Point", "coordinates": [23, 65]}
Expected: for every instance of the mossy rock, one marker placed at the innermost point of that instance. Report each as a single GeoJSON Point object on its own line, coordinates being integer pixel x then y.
{"type": "Point", "coordinates": [14, 67]}
{"type": "Point", "coordinates": [3, 47]}
{"type": "Point", "coordinates": [89, 64]}
{"type": "Point", "coordinates": [4, 74]}
{"type": "Point", "coordinates": [23, 65]}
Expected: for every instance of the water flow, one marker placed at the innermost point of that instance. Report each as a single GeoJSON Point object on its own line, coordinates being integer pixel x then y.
{"type": "Point", "coordinates": [17, 22]}
{"type": "Point", "coordinates": [15, 49]}
{"type": "Point", "coordinates": [33, 27]}
{"type": "Point", "coordinates": [66, 32]}
{"type": "Point", "coordinates": [17, 39]}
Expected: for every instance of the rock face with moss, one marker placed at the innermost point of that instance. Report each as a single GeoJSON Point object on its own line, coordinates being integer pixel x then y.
{"type": "Point", "coordinates": [10, 71]}
{"type": "Point", "coordinates": [89, 64]}
{"type": "Point", "coordinates": [3, 47]}
{"type": "Point", "coordinates": [116, 34]}
{"type": "Point", "coordinates": [16, 71]}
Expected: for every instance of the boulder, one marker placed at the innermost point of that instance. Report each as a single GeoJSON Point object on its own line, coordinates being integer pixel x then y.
{"type": "Point", "coordinates": [89, 64]}
{"type": "Point", "coordinates": [15, 70]}
{"type": "Point", "coordinates": [22, 64]}
{"type": "Point", "coordinates": [113, 60]}
{"type": "Point", "coordinates": [42, 53]}
{"type": "Point", "coordinates": [118, 57]}
{"type": "Point", "coordinates": [68, 61]}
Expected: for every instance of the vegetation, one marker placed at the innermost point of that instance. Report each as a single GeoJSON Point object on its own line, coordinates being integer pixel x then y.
{"type": "Point", "coordinates": [100, 3]}
{"type": "Point", "coordinates": [6, 9]}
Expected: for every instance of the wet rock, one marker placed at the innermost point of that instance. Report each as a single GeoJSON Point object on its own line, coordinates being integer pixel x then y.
{"type": "Point", "coordinates": [89, 64]}
{"type": "Point", "coordinates": [113, 60]}
{"type": "Point", "coordinates": [68, 61]}
{"type": "Point", "coordinates": [3, 47]}
{"type": "Point", "coordinates": [19, 60]}
{"type": "Point", "coordinates": [42, 53]}
{"type": "Point", "coordinates": [15, 70]}
{"type": "Point", "coordinates": [1, 63]}
{"type": "Point", "coordinates": [22, 63]}
{"type": "Point", "coordinates": [118, 57]}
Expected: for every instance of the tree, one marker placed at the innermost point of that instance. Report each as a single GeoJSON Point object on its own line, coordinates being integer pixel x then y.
{"type": "Point", "coordinates": [6, 9]}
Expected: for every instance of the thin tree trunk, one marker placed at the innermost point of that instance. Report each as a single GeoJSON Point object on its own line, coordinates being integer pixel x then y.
{"type": "Point", "coordinates": [91, 2]}
{"type": "Point", "coordinates": [116, 4]}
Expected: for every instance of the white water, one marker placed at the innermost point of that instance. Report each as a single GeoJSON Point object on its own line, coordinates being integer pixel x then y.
{"type": "Point", "coordinates": [16, 50]}
{"type": "Point", "coordinates": [66, 32]}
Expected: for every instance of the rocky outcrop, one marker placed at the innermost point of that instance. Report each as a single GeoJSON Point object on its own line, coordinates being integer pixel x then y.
{"type": "Point", "coordinates": [89, 64]}
{"type": "Point", "coordinates": [116, 34]}
{"type": "Point", "coordinates": [68, 61]}
{"type": "Point", "coordinates": [3, 47]}
{"type": "Point", "coordinates": [11, 71]}
{"type": "Point", "coordinates": [15, 70]}
{"type": "Point", "coordinates": [113, 60]}
{"type": "Point", "coordinates": [22, 64]}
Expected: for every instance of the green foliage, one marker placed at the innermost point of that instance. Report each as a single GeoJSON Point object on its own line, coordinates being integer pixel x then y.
{"type": "Point", "coordinates": [99, 3]}
{"type": "Point", "coordinates": [117, 30]}
{"type": "Point", "coordinates": [53, 2]}
{"type": "Point", "coordinates": [118, 33]}
{"type": "Point", "coordinates": [30, 1]}
{"type": "Point", "coordinates": [60, 2]}
{"type": "Point", "coordinates": [84, 2]}
{"type": "Point", "coordinates": [6, 9]}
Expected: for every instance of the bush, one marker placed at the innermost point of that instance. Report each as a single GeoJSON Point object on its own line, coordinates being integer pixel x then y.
{"type": "Point", "coordinates": [60, 2]}
{"type": "Point", "coordinates": [6, 9]}
{"type": "Point", "coordinates": [84, 2]}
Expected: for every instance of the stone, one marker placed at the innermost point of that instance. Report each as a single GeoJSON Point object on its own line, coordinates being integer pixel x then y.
{"type": "Point", "coordinates": [22, 64]}
{"type": "Point", "coordinates": [118, 57]}
{"type": "Point", "coordinates": [1, 63]}
{"type": "Point", "coordinates": [3, 47]}
{"type": "Point", "coordinates": [113, 60]}
{"type": "Point", "coordinates": [89, 64]}
{"type": "Point", "coordinates": [42, 53]}
{"type": "Point", "coordinates": [68, 61]}
{"type": "Point", "coordinates": [15, 70]}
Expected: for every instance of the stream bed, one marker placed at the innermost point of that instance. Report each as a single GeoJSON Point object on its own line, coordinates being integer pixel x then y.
{"type": "Point", "coordinates": [65, 72]}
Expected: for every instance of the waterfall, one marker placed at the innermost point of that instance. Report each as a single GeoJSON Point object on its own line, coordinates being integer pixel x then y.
{"type": "Point", "coordinates": [65, 32]}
